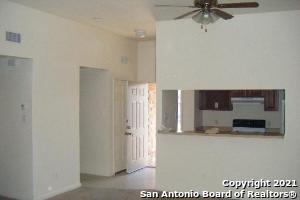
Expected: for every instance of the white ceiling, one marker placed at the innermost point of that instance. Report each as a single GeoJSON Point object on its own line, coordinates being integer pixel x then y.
{"type": "Point", "coordinates": [124, 16]}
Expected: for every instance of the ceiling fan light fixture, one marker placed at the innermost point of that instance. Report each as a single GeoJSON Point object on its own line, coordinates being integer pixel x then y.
{"type": "Point", "coordinates": [205, 18]}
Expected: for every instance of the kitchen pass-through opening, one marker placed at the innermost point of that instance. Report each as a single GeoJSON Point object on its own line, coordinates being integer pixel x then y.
{"type": "Point", "coordinates": [242, 112]}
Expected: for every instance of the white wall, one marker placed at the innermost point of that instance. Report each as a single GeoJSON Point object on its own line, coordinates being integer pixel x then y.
{"type": "Point", "coordinates": [16, 178]}
{"type": "Point", "coordinates": [58, 47]}
{"type": "Point", "coordinates": [250, 51]}
{"type": "Point", "coordinates": [96, 122]}
{"type": "Point", "coordinates": [146, 61]}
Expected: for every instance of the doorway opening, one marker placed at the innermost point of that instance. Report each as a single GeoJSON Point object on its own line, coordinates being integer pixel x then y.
{"type": "Point", "coordinates": [117, 127]}
{"type": "Point", "coordinates": [152, 125]}
{"type": "Point", "coordinates": [134, 125]}
{"type": "Point", "coordinates": [96, 122]}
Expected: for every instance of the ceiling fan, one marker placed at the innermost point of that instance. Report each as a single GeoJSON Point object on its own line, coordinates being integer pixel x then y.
{"type": "Point", "coordinates": [208, 11]}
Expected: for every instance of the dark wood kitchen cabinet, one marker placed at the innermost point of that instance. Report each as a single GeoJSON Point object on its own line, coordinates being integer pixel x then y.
{"type": "Point", "coordinates": [271, 100]}
{"type": "Point", "coordinates": [237, 93]}
{"type": "Point", "coordinates": [246, 93]}
{"type": "Point", "coordinates": [215, 100]}
{"type": "Point", "coordinates": [254, 93]}
{"type": "Point", "coordinates": [221, 99]}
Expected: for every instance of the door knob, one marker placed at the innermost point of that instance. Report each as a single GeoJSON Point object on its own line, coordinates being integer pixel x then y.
{"type": "Point", "coordinates": [126, 133]}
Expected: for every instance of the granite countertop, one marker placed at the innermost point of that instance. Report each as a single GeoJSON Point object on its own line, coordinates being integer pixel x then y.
{"type": "Point", "coordinates": [223, 133]}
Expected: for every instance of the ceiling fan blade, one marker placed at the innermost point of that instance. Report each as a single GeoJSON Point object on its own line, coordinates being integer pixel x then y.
{"type": "Point", "coordinates": [238, 5]}
{"type": "Point", "coordinates": [175, 6]}
{"type": "Point", "coordinates": [222, 14]}
{"type": "Point", "coordinates": [187, 14]}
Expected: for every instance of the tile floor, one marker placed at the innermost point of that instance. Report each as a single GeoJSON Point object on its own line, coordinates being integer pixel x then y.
{"type": "Point", "coordinates": [142, 179]}
{"type": "Point", "coordinates": [120, 187]}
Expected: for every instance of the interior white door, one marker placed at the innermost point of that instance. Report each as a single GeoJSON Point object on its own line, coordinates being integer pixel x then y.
{"type": "Point", "coordinates": [120, 117]}
{"type": "Point", "coordinates": [137, 127]}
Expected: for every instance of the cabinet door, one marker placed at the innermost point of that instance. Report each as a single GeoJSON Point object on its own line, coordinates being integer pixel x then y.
{"type": "Point", "coordinates": [271, 100]}
{"type": "Point", "coordinates": [237, 93]}
{"type": "Point", "coordinates": [215, 100]}
{"type": "Point", "coordinates": [246, 93]}
{"type": "Point", "coordinates": [254, 93]}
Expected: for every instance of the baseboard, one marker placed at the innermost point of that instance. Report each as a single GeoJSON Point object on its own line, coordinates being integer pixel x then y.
{"type": "Point", "coordinates": [58, 192]}
{"type": "Point", "coordinates": [154, 167]}
{"type": "Point", "coordinates": [119, 172]}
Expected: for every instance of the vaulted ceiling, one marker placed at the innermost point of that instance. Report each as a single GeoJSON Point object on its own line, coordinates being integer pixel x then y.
{"type": "Point", "coordinates": [123, 17]}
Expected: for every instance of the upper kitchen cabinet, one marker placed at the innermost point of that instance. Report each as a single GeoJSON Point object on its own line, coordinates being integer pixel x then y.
{"type": "Point", "coordinates": [271, 100]}
{"type": "Point", "coordinates": [221, 99]}
{"type": "Point", "coordinates": [254, 93]}
{"type": "Point", "coordinates": [246, 93]}
{"type": "Point", "coordinates": [238, 93]}
{"type": "Point", "coordinates": [215, 100]}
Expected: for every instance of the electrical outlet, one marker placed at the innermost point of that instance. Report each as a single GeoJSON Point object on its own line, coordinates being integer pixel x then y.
{"type": "Point", "coordinates": [216, 122]}
{"type": "Point", "coordinates": [50, 188]}
{"type": "Point", "coordinates": [216, 105]}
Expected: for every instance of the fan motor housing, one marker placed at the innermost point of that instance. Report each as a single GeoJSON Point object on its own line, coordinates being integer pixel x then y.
{"type": "Point", "coordinates": [205, 3]}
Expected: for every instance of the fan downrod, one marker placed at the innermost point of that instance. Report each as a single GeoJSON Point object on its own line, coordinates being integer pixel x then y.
{"type": "Point", "coordinates": [204, 4]}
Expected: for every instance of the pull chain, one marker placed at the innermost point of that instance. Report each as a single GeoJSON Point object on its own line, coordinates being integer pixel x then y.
{"type": "Point", "coordinates": [204, 27]}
